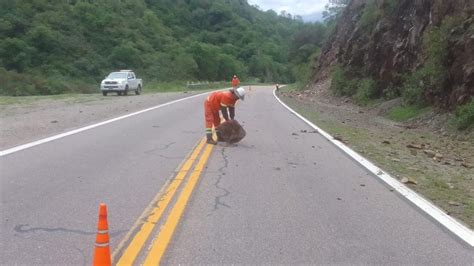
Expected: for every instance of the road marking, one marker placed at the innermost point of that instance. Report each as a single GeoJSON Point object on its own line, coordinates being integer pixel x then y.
{"type": "Point", "coordinates": [135, 246]}
{"type": "Point", "coordinates": [162, 240]}
{"type": "Point", "coordinates": [59, 136]}
{"type": "Point", "coordinates": [436, 213]}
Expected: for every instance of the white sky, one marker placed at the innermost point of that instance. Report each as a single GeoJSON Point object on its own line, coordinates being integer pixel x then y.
{"type": "Point", "coordinates": [294, 7]}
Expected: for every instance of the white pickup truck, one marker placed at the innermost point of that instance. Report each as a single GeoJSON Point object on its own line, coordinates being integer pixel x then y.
{"type": "Point", "coordinates": [121, 82]}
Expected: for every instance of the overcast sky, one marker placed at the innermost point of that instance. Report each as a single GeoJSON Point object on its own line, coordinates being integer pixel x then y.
{"type": "Point", "coordinates": [303, 8]}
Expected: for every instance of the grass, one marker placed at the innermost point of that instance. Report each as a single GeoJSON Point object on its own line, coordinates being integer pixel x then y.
{"type": "Point", "coordinates": [290, 88]}
{"type": "Point", "coordinates": [464, 118]}
{"type": "Point", "coordinates": [404, 113]}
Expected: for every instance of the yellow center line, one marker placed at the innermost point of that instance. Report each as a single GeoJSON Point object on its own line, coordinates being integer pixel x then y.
{"type": "Point", "coordinates": [135, 246]}
{"type": "Point", "coordinates": [164, 237]}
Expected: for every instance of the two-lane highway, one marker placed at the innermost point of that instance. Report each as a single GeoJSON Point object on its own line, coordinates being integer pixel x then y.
{"type": "Point", "coordinates": [283, 195]}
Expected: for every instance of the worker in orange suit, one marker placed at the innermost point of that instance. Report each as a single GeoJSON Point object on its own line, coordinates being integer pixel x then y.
{"type": "Point", "coordinates": [223, 101]}
{"type": "Point", "coordinates": [235, 82]}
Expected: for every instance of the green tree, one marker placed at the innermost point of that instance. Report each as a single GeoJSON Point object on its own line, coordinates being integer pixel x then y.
{"type": "Point", "coordinates": [333, 10]}
{"type": "Point", "coordinates": [15, 54]}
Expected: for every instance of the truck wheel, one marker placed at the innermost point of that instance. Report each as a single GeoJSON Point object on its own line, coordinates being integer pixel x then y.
{"type": "Point", "coordinates": [104, 93]}
{"type": "Point", "coordinates": [139, 90]}
{"type": "Point", "coordinates": [126, 91]}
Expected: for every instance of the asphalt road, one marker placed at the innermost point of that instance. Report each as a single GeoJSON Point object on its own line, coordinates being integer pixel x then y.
{"type": "Point", "coordinates": [279, 196]}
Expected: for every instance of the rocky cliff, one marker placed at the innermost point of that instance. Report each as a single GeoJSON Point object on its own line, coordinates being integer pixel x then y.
{"type": "Point", "coordinates": [408, 47]}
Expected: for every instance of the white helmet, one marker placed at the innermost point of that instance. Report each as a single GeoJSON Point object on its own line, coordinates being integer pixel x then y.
{"type": "Point", "coordinates": [240, 92]}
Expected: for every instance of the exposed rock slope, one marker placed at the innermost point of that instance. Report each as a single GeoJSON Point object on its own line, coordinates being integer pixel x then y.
{"type": "Point", "coordinates": [389, 40]}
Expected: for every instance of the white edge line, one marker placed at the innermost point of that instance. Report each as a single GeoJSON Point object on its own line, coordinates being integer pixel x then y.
{"type": "Point", "coordinates": [436, 213]}
{"type": "Point", "coordinates": [41, 141]}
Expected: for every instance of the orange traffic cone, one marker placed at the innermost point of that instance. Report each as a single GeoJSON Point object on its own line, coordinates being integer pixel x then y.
{"type": "Point", "coordinates": [102, 249]}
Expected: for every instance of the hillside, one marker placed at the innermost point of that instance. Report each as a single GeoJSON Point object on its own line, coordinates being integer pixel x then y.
{"type": "Point", "coordinates": [422, 50]}
{"type": "Point", "coordinates": [50, 47]}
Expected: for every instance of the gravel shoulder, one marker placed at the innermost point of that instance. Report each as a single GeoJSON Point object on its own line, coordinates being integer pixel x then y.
{"type": "Point", "coordinates": [26, 119]}
{"type": "Point", "coordinates": [422, 152]}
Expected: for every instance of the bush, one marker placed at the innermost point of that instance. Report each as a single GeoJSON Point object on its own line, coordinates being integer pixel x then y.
{"type": "Point", "coordinates": [341, 84]}
{"type": "Point", "coordinates": [430, 78]}
{"type": "Point", "coordinates": [366, 90]}
{"type": "Point", "coordinates": [465, 116]}
{"type": "Point", "coordinates": [24, 84]}
{"type": "Point", "coordinates": [413, 88]}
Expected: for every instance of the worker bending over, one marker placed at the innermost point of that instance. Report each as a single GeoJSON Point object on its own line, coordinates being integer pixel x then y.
{"type": "Point", "coordinates": [223, 101]}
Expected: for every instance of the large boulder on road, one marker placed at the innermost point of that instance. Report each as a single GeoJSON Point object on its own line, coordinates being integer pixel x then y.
{"type": "Point", "coordinates": [230, 131]}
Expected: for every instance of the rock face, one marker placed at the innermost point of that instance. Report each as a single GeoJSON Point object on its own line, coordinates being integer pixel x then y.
{"type": "Point", "coordinates": [230, 131]}
{"type": "Point", "coordinates": [387, 40]}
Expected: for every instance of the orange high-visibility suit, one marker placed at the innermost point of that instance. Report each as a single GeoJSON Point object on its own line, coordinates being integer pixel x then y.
{"type": "Point", "coordinates": [235, 82]}
{"type": "Point", "coordinates": [217, 101]}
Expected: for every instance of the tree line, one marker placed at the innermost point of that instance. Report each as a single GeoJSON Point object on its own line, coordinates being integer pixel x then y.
{"type": "Point", "coordinates": [49, 47]}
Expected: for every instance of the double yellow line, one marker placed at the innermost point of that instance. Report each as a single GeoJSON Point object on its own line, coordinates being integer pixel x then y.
{"type": "Point", "coordinates": [161, 242]}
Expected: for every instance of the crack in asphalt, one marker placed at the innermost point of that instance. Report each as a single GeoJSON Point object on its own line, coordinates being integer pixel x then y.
{"type": "Point", "coordinates": [166, 146]}
{"type": "Point", "coordinates": [218, 200]}
{"type": "Point", "coordinates": [170, 158]}
{"type": "Point", "coordinates": [20, 228]}
{"type": "Point", "coordinates": [24, 229]}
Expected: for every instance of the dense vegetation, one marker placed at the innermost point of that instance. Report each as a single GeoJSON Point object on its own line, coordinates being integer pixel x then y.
{"type": "Point", "coordinates": [50, 47]}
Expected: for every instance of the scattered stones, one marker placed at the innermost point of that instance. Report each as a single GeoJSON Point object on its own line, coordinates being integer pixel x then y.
{"type": "Point", "coordinates": [303, 131]}
{"type": "Point", "coordinates": [54, 121]}
{"type": "Point", "coordinates": [339, 199]}
{"type": "Point", "coordinates": [430, 153]}
{"type": "Point", "coordinates": [294, 134]}
{"type": "Point", "coordinates": [415, 146]}
{"type": "Point", "coordinates": [396, 160]}
{"type": "Point", "coordinates": [277, 168]}
{"type": "Point", "coordinates": [407, 180]}
{"type": "Point", "coordinates": [362, 185]}
{"type": "Point", "coordinates": [413, 152]}
{"type": "Point", "coordinates": [466, 165]}
{"type": "Point", "coordinates": [454, 203]}
{"type": "Point", "coordinates": [385, 142]}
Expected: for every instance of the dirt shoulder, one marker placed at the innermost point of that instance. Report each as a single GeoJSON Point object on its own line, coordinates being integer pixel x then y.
{"type": "Point", "coordinates": [421, 152]}
{"type": "Point", "coordinates": [26, 119]}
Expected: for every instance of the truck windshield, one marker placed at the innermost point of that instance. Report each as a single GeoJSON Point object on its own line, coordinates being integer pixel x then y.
{"type": "Point", "coordinates": [117, 75]}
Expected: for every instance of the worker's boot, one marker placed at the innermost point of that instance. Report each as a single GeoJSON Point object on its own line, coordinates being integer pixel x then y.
{"type": "Point", "coordinates": [210, 140]}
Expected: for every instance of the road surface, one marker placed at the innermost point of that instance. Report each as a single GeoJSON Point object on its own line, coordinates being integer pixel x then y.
{"type": "Point", "coordinates": [283, 195]}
